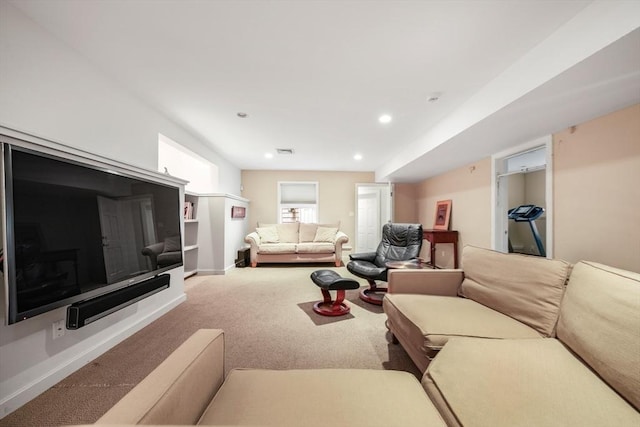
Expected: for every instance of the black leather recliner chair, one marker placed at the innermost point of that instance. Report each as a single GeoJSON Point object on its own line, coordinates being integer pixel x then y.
{"type": "Point", "coordinates": [400, 242]}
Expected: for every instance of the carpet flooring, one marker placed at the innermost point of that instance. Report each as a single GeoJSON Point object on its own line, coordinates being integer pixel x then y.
{"type": "Point", "coordinates": [267, 316]}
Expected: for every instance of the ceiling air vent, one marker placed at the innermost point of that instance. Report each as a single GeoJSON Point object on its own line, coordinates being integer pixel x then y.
{"type": "Point", "coordinates": [284, 150]}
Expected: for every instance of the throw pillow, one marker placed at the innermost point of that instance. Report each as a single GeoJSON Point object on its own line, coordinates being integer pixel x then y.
{"type": "Point", "coordinates": [307, 232]}
{"type": "Point", "coordinates": [172, 244]}
{"type": "Point", "coordinates": [268, 234]}
{"type": "Point", "coordinates": [288, 233]}
{"type": "Point", "coordinates": [325, 234]}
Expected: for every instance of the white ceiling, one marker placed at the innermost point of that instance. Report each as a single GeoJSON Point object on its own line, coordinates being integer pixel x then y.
{"type": "Point", "coordinates": [315, 75]}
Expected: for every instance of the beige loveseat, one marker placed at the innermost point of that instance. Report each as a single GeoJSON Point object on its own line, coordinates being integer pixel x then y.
{"type": "Point", "coordinates": [513, 344]}
{"type": "Point", "coordinates": [296, 242]}
{"type": "Point", "coordinates": [190, 388]}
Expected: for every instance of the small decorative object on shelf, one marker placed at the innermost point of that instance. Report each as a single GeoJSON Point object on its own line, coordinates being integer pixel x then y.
{"type": "Point", "coordinates": [238, 212]}
{"type": "Point", "coordinates": [188, 210]}
{"type": "Point", "coordinates": [443, 215]}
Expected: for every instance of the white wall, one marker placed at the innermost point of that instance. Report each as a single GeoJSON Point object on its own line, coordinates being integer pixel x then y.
{"type": "Point", "coordinates": [219, 235]}
{"type": "Point", "coordinates": [48, 90]}
{"type": "Point", "coordinates": [235, 230]}
{"type": "Point", "coordinates": [176, 160]}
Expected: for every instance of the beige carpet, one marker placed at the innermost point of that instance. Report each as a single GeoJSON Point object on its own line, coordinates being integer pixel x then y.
{"type": "Point", "coordinates": [267, 316]}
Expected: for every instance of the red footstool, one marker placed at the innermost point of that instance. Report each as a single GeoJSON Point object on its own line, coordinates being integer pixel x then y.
{"type": "Point", "coordinates": [329, 280]}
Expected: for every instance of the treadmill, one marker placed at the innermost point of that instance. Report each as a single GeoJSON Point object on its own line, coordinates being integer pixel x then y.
{"type": "Point", "coordinates": [528, 213]}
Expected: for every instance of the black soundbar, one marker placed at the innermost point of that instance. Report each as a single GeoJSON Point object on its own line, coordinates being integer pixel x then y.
{"type": "Point", "coordinates": [84, 312]}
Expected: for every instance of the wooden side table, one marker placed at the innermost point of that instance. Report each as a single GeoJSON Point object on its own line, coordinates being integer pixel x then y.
{"type": "Point", "coordinates": [441, 236]}
{"type": "Point", "coordinates": [411, 265]}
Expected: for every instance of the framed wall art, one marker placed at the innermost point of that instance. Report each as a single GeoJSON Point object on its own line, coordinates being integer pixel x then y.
{"type": "Point", "coordinates": [238, 212]}
{"type": "Point", "coordinates": [443, 215]}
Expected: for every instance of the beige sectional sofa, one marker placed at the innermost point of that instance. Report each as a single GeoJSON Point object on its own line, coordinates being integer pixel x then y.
{"type": "Point", "coordinates": [512, 345]}
{"type": "Point", "coordinates": [571, 359]}
{"type": "Point", "coordinates": [190, 388]}
{"type": "Point", "coordinates": [296, 242]}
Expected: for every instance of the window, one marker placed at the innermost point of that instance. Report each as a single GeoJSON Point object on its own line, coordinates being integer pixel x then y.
{"type": "Point", "coordinates": [297, 202]}
{"type": "Point", "coordinates": [527, 161]}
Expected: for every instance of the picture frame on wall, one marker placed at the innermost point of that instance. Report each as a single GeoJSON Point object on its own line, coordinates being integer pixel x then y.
{"type": "Point", "coordinates": [443, 215]}
{"type": "Point", "coordinates": [238, 212]}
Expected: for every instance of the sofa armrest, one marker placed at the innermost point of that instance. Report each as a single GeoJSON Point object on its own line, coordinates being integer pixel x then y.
{"type": "Point", "coordinates": [341, 239]}
{"type": "Point", "coordinates": [425, 282]}
{"type": "Point", "coordinates": [153, 250]}
{"type": "Point", "coordinates": [252, 238]}
{"type": "Point", "coordinates": [179, 390]}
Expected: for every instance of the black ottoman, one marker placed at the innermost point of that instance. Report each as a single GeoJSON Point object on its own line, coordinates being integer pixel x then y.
{"type": "Point", "coordinates": [329, 280]}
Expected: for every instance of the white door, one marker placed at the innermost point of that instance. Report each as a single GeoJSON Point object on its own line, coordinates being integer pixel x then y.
{"type": "Point", "coordinates": [368, 222]}
{"type": "Point", "coordinates": [374, 207]}
{"type": "Point", "coordinates": [112, 246]}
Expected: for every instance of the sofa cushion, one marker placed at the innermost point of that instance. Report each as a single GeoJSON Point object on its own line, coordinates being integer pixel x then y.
{"type": "Point", "coordinates": [287, 233]}
{"type": "Point", "coordinates": [318, 397]}
{"type": "Point", "coordinates": [530, 382]}
{"type": "Point", "coordinates": [325, 234]}
{"type": "Point", "coordinates": [429, 321]}
{"type": "Point", "coordinates": [268, 234]}
{"type": "Point", "coordinates": [527, 288]}
{"type": "Point", "coordinates": [600, 322]}
{"type": "Point", "coordinates": [172, 244]}
{"type": "Point", "coordinates": [168, 258]}
{"type": "Point", "coordinates": [308, 231]}
{"type": "Point", "coordinates": [277, 248]}
{"type": "Point", "coordinates": [315, 248]}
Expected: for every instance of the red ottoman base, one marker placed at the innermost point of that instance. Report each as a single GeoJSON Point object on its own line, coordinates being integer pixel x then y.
{"type": "Point", "coordinates": [373, 295]}
{"type": "Point", "coordinates": [332, 308]}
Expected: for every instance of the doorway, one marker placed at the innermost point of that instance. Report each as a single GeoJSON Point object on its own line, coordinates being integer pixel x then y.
{"type": "Point", "coordinates": [526, 189]}
{"type": "Point", "coordinates": [522, 177]}
{"type": "Point", "coordinates": [374, 207]}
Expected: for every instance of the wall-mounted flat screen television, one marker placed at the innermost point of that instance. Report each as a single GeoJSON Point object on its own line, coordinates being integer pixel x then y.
{"type": "Point", "coordinates": [74, 231]}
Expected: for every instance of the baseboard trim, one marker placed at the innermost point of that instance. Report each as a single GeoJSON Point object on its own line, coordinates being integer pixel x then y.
{"type": "Point", "coordinates": [214, 272]}
{"type": "Point", "coordinates": [39, 385]}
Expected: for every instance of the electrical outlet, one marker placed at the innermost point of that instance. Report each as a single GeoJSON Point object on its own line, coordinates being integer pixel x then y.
{"type": "Point", "coordinates": [58, 329]}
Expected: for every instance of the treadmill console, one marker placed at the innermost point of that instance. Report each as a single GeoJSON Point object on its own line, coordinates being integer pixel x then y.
{"type": "Point", "coordinates": [525, 213]}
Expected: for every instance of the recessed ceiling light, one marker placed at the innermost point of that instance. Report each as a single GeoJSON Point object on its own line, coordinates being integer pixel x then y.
{"type": "Point", "coordinates": [242, 115]}
{"type": "Point", "coordinates": [357, 157]}
{"type": "Point", "coordinates": [268, 155]}
{"type": "Point", "coordinates": [385, 118]}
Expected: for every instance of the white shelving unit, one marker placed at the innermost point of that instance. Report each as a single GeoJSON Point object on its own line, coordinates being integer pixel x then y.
{"type": "Point", "coordinates": [191, 238]}
{"type": "Point", "coordinates": [212, 237]}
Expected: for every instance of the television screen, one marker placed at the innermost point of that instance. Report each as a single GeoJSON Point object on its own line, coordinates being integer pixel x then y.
{"type": "Point", "coordinates": [75, 232]}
